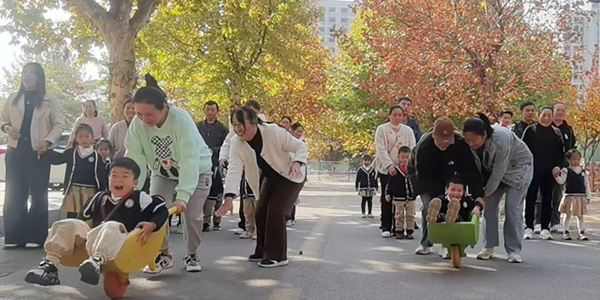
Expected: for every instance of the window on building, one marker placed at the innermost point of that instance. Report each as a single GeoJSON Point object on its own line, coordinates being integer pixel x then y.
{"type": "Point", "coordinates": [345, 11]}
{"type": "Point", "coordinates": [344, 20]}
{"type": "Point", "coordinates": [322, 8]}
{"type": "Point", "coordinates": [331, 19]}
{"type": "Point", "coordinates": [332, 9]}
{"type": "Point", "coordinates": [331, 40]}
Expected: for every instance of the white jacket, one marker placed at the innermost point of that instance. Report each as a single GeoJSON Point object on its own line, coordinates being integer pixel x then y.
{"type": "Point", "coordinates": [388, 143]}
{"type": "Point", "coordinates": [277, 146]}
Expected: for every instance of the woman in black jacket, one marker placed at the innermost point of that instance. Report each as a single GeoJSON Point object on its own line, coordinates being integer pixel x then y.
{"type": "Point", "coordinates": [546, 144]}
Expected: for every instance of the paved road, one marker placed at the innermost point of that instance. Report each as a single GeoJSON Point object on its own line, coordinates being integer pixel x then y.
{"type": "Point", "coordinates": [343, 258]}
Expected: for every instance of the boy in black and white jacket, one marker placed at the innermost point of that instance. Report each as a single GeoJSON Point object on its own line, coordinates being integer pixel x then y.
{"type": "Point", "coordinates": [400, 190]}
{"type": "Point", "coordinates": [366, 185]}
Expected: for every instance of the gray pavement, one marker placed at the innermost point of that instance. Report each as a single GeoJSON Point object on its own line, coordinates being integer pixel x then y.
{"type": "Point", "coordinates": [343, 257]}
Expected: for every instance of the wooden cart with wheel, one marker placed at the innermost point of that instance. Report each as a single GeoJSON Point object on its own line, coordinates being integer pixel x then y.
{"type": "Point", "coordinates": [455, 237]}
{"type": "Point", "coordinates": [133, 257]}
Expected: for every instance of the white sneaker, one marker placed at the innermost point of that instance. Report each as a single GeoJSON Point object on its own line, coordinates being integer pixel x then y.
{"type": "Point", "coordinates": [423, 250]}
{"type": "Point", "coordinates": [246, 235]}
{"type": "Point", "coordinates": [288, 223]}
{"type": "Point", "coordinates": [179, 230]}
{"type": "Point", "coordinates": [486, 254]}
{"type": "Point", "coordinates": [192, 263]}
{"type": "Point", "coordinates": [238, 231]}
{"type": "Point", "coordinates": [370, 216]}
{"type": "Point", "coordinates": [254, 237]}
{"type": "Point", "coordinates": [514, 258]}
{"type": "Point", "coordinates": [364, 216]}
{"type": "Point", "coordinates": [528, 234]}
{"type": "Point", "coordinates": [554, 228]}
{"type": "Point", "coordinates": [537, 229]}
{"type": "Point", "coordinates": [386, 234]}
{"type": "Point", "coordinates": [163, 262]}
{"type": "Point", "coordinates": [444, 253]}
{"type": "Point", "coordinates": [545, 235]}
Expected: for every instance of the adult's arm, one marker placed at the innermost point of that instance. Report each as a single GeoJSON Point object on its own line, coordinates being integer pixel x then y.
{"type": "Point", "coordinates": [416, 129]}
{"type": "Point", "coordinates": [112, 137]}
{"type": "Point", "coordinates": [134, 149]}
{"type": "Point", "coordinates": [190, 143]}
{"type": "Point", "coordinates": [290, 144]}
{"type": "Point", "coordinates": [225, 148]}
{"type": "Point", "coordinates": [412, 140]}
{"type": "Point", "coordinates": [104, 129]}
{"type": "Point", "coordinates": [72, 136]}
{"type": "Point", "coordinates": [5, 117]}
{"type": "Point", "coordinates": [234, 173]}
{"type": "Point", "coordinates": [57, 119]}
{"type": "Point", "coordinates": [381, 148]}
{"type": "Point", "coordinates": [499, 166]}
{"type": "Point", "coordinates": [471, 171]}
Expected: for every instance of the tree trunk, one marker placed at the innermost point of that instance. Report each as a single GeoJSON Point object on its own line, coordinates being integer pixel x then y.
{"type": "Point", "coordinates": [235, 94]}
{"type": "Point", "coordinates": [123, 76]}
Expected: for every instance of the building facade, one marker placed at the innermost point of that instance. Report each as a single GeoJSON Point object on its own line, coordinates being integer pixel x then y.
{"type": "Point", "coordinates": [335, 14]}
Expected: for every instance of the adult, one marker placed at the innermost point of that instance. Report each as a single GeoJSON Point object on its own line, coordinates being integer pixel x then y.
{"type": "Point", "coordinates": [389, 137]}
{"type": "Point", "coordinates": [214, 133]}
{"type": "Point", "coordinates": [118, 131]}
{"type": "Point", "coordinates": [165, 139]}
{"type": "Point", "coordinates": [506, 119]}
{"type": "Point", "coordinates": [546, 144]}
{"type": "Point", "coordinates": [528, 114]}
{"type": "Point", "coordinates": [286, 122]}
{"type": "Point", "coordinates": [438, 157]}
{"type": "Point", "coordinates": [507, 166]}
{"type": "Point", "coordinates": [34, 121]}
{"type": "Point", "coordinates": [407, 119]}
{"type": "Point", "coordinates": [90, 117]}
{"type": "Point", "coordinates": [560, 114]}
{"type": "Point", "coordinates": [263, 152]}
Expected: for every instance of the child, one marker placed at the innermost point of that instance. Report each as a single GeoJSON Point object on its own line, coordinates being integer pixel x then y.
{"type": "Point", "coordinates": [453, 207]}
{"type": "Point", "coordinates": [577, 193]}
{"type": "Point", "coordinates": [400, 190]}
{"type": "Point", "coordinates": [366, 184]}
{"type": "Point", "coordinates": [85, 174]}
{"type": "Point", "coordinates": [105, 149]}
{"type": "Point", "coordinates": [113, 214]}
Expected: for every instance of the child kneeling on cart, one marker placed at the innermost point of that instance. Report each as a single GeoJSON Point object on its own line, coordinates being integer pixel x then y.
{"type": "Point", "coordinates": [113, 214]}
{"type": "Point", "coordinates": [453, 207]}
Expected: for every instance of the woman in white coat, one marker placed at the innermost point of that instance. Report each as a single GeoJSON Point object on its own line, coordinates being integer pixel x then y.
{"type": "Point", "coordinates": [389, 137]}
{"type": "Point", "coordinates": [263, 152]}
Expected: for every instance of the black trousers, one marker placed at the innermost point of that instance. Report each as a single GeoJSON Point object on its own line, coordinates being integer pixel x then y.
{"type": "Point", "coordinates": [273, 208]}
{"type": "Point", "coordinates": [366, 201]}
{"type": "Point", "coordinates": [26, 174]}
{"type": "Point", "coordinates": [387, 208]}
{"type": "Point", "coordinates": [544, 182]}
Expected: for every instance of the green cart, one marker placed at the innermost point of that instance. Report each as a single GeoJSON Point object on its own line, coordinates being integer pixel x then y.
{"type": "Point", "coordinates": [455, 237]}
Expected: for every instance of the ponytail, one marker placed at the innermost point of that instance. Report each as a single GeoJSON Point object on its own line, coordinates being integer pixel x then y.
{"type": "Point", "coordinates": [151, 94]}
{"type": "Point", "coordinates": [479, 125]}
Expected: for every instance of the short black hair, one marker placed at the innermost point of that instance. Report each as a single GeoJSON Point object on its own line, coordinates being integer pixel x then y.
{"type": "Point", "coordinates": [253, 104]}
{"type": "Point", "coordinates": [129, 100]}
{"type": "Point", "coordinates": [128, 164]}
{"type": "Point", "coordinates": [106, 143]}
{"type": "Point", "coordinates": [367, 157]}
{"type": "Point", "coordinates": [211, 103]}
{"type": "Point", "coordinates": [456, 179]}
{"type": "Point", "coordinates": [296, 126]}
{"type": "Point", "coordinates": [572, 152]}
{"type": "Point", "coordinates": [505, 112]}
{"type": "Point", "coordinates": [398, 100]}
{"type": "Point", "coordinates": [396, 106]}
{"type": "Point", "coordinates": [547, 107]}
{"type": "Point", "coordinates": [404, 149]}
{"type": "Point", "coordinates": [525, 104]}
{"type": "Point", "coordinates": [151, 94]}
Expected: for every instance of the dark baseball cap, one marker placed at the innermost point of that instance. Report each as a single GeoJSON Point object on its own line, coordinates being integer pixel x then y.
{"type": "Point", "coordinates": [443, 131]}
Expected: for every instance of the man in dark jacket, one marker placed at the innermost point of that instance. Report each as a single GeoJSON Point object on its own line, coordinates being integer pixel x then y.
{"type": "Point", "coordinates": [214, 133]}
{"type": "Point", "coordinates": [406, 104]}
{"type": "Point", "coordinates": [438, 157]}
{"type": "Point", "coordinates": [528, 112]}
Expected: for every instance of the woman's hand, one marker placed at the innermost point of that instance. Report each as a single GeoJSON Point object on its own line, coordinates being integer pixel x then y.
{"type": "Point", "coordinates": [295, 170]}
{"type": "Point", "coordinates": [181, 206]}
{"type": "Point", "coordinates": [11, 132]}
{"type": "Point", "coordinates": [44, 148]}
{"type": "Point", "coordinates": [146, 229]}
{"type": "Point", "coordinates": [225, 207]}
{"type": "Point", "coordinates": [392, 170]}
{"type": "Point", "coordinates": [388, 198]}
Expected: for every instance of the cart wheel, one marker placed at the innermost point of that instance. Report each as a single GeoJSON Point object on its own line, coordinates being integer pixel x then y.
{"type": "Point", "coordinates": [115, 286]}
{"type": "Point", "coordinates": [456, 256]}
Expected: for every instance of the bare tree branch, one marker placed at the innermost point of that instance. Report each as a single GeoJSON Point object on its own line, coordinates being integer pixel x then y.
{"type": "Point", "coordinates": [144, 10]}
{"type": "Point", "coordinates": [93, 11]}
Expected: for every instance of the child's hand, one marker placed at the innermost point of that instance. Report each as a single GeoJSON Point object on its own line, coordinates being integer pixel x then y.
{"type": "Point", "coordinates": [556, 172]}
{"type": "Point", "coordinates": [388, 198]}
{"type": "Point", "coordinates": [477, 212]}
{"type": "Point", "coordinates": [146, 228]}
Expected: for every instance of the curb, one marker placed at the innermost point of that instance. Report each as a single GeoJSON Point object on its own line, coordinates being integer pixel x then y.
{"type": "Point", "coordinates": [53, 216]}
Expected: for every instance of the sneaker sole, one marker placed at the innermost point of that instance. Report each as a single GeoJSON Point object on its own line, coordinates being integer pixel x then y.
{"type": "Point", "coordinates": [158, 270]}
{"type": "Point", "coordinates": [452, 213]}
{"type": "Point", "coordinates": [193, 269]}
{"type": "Point", "coordinates": [515, 261]}
{"type": "Point", "coordinates": [89, 274]}
{"type": "Point", "coordinates": [485, 257]}
{"type": "Point", "coordinates": [282, 263]}
{"type": "Point", "coordinates": [255, 259]}
{"type": "Point", "coordinates": [433, 210]}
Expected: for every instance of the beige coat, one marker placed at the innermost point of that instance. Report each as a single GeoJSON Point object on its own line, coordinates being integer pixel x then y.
{"type": "Point", "coordinates": [47, 124]}
{"type": "Point", "coordinates": [277, 146]}
{"type": "Point", "coordinates": [388, 143]}
{"type": "Point", "coordinates": [117, 135]}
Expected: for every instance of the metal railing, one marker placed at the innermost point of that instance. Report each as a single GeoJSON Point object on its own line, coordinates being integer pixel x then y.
{"type": "Point", "coordinates": [329, 171]}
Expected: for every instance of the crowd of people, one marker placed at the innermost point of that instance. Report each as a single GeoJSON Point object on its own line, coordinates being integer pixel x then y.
{"type": "Point", "coordinates": [158, 157]}
{"type": "Point", "coordinates": [527, 164]}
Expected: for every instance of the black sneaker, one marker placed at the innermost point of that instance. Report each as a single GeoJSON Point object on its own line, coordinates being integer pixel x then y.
{"type": "Point", "coordinates": [206, 227]}
{"type": "Point", "coordinates": [91, 270]}
{"type": "Point", "coordinates": [192, 263]}
{"type": "Point", "coordinates": [267, 263]}
{"type": "Point", "coordinates": [255, 258]}
{"type": "Point", "coordinates": [409, 235]}
{"type": "Point", "coordinates": [46, 274]}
